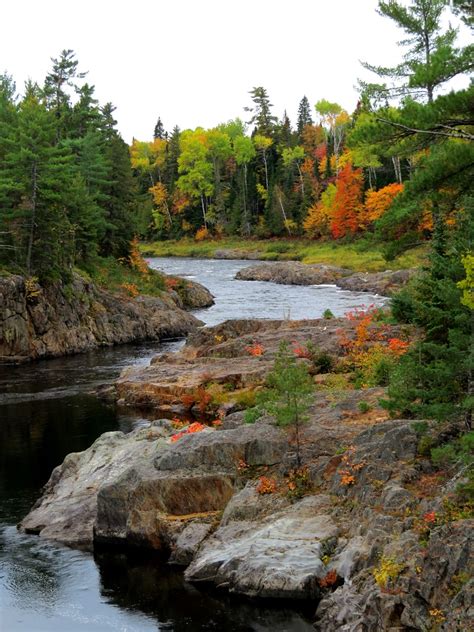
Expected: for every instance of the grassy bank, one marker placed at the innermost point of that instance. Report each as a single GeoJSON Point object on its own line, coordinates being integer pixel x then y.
{"type": "Point", "coordinates": [358, 256]}
{"type": "Point", "coordinates": [118, 277]}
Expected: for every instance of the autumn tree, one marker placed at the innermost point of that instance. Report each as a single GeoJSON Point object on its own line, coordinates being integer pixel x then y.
{"type": "Point", "coordinates": [347, 209]}
{"type": "Point", "coordinates": [378, 202]}
{"type": "Point", "coordinates": [196, 179]}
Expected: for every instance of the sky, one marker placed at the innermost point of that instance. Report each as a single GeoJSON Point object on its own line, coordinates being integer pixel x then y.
{"type": "Point", "coordinates": [193, 62]}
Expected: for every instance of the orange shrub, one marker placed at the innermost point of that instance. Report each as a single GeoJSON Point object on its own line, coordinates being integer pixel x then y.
{"type": "Point", "coordinates": [255, 350]}
{"type": "Point", "coordinates": [266, 485]}
{"type": "Point", "coordinates": [201, 234]}
{"type": "Point", "coordinates": [137, 262]}
{"type": "Point", "coordinates": [131, 288]}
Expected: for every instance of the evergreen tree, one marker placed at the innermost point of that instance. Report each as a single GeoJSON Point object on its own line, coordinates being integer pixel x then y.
{"type": "Point", "coordinates": [159, 131]}
{"type": "Point", "coordinates": [304, 115]}
{"type": "Point", "coordinates": [62, 76]}
{"type": "Point", "coordinates": [288, 392]}
{"type": "Point", "coordinates": [33, 192]}
{"type": "Point", "coordinates": [435, 378]}
{"type": "Point", "coordinates": [431, 58]}
{"type": "Point", "coordinates": [262, 116]}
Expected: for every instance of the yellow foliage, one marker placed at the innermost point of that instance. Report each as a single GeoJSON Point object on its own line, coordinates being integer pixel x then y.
{"type": "Point", "coordinates": [388, 569]}
{"type": "Point", "coordinates": [201, 234]}
{"type": "Point", "coordinates": [467, 285]}
{"type": "Point", "coordinates": [319, 215]}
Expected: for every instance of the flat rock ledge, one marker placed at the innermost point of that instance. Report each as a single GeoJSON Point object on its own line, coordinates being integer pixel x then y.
{"type": "Point", "coordinates": [41, 322]}
{"type": "Point", "coordinates": [296, 273]}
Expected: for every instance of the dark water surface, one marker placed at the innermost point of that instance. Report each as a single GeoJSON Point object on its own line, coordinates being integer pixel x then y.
{"type": "Point", "coordinates": [48, 409]}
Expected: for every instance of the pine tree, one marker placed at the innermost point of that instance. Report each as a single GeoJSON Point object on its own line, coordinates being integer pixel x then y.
{"type": "Point", "coordinates": [435, 378]}
{"type": "Point", "coordinates": [288, 393]}
{"type": "Point", "coordinates": [62, 76]}
{"type": "Point", "coordinates": [431, 58]}
{"type": "Point", "coordinates": [262, 116]}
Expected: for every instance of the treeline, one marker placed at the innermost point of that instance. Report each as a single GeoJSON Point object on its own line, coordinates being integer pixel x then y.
{"type": "Point", "coordinates": [275, 181]}
{"type": "Point", "coordinates": [333, 174]}
{"type": "Point", "coordinates": [67, 192]}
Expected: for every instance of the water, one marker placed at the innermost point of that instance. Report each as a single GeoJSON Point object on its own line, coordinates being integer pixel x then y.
{"type": "Point", "coordinates": [48, 409]}
{"type": "Point", "coordinates": [258, 299]}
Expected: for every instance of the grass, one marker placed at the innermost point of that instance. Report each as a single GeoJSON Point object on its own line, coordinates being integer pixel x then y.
{"type": "Point", "coordinates": [118, 277]}
{"type": "Point", "coordinates": [358, 256]}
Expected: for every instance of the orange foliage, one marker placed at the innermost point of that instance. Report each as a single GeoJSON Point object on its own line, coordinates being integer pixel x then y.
{"type": "Point", "coordinates": [350, 468]}
{"type": "Point", "coordinates": [255, 350]}
{"type": "Point", "coordinates": [201, 234]}
{"type": "Point", "coordinates": [137, 262]}
{"type": "Point", "coordinates": [301, 352]}
{"type": "Point", "coordinates": [398, 347]}
{"type": "Point", "coordinates": [378, 202]}
{"type": "Point", "coordinates": [319, 215]}
{"type": "Point", "coordinates": [131, 288]}
{"type": "Point", "coordinates": [266, 485]}
{"type": "Point", "coordinates": [194, 427]}
{"type": "Point", "coordinates": [171, 283]}
{"type": "Point", "coordinates": [347, 202]}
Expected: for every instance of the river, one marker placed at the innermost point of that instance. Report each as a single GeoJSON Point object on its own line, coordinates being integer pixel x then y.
{"type": "Point", "coordinates": [48, 409]}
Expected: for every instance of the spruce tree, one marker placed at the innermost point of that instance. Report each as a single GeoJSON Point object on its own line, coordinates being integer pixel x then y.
{"type": "Point", "coordinates": [304, 115]}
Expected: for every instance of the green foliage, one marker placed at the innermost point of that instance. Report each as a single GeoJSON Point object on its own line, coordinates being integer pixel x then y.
{"type": "Point", "coordinates": [288, 391]}
{"type": "Point", "coordinates": [434, 378]}
{"type": "Point", "coordinates": [66, 186]}
{"type": "Point", "coordinates": [364, 407]}
{"type": "Point", "coordinates": [327, 314]}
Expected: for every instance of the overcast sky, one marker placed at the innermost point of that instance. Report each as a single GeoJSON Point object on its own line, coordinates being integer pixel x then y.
{"type": "Point", "coordinates": [192, 62]}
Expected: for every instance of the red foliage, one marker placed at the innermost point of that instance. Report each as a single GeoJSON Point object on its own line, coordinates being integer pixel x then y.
{"type": "Point", "coordinates": [348, 202]}
{"type": "Point", "coordinates": [194, 427]}
{"type": "Point", "coordinates": [255, 350]}
{"type": "Point", "coordinates": [328, 580]}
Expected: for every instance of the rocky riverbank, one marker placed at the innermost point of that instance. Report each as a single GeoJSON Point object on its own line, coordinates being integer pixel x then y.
{"type": "Point", "coordinates": [55, 320]}
{"type": "Point", "coordinates": [297, 273]}
{"type": "Point", "coordinates": [369, 530]}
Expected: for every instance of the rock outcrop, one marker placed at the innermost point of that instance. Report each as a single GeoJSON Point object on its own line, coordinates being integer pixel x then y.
{"type": "Point", "coordinates": [296, 273]}
{"type": "Point", "coordinates": [369, 531]}
{"type": "Point", "coordinates": [222, 356]}
{"type": "Point", "coordinates": [40, 322]}
{"type": "Point", "coordinates": [383, 283]}
{"type": "Point", "coordinates": [292, 273]}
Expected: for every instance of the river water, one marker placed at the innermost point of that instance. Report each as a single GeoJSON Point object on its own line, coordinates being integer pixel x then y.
{"type": "Point", "coordinates": [48, 409]}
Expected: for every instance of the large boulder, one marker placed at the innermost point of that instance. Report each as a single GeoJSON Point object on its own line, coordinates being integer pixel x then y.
{"type": "Point", "coordinates": [292, 273]}
{"type": "Point", "coordinates": [67, 510]}
{"type": "Point", "coordinates": [276, 557]}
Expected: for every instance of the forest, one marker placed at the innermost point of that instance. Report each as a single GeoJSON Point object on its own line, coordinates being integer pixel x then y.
{"type": "Point", "coordinates": [71, 190]}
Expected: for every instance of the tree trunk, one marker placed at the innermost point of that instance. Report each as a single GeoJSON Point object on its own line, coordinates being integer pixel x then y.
{"type": "Point", "coordinates": [203, 211]}
{"type": "Point", "coordinates": [34, 194]}
{"type": "Point", "coordinates": [283, 213]}
{"type": "Point", "coordinates": [301, 179]}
